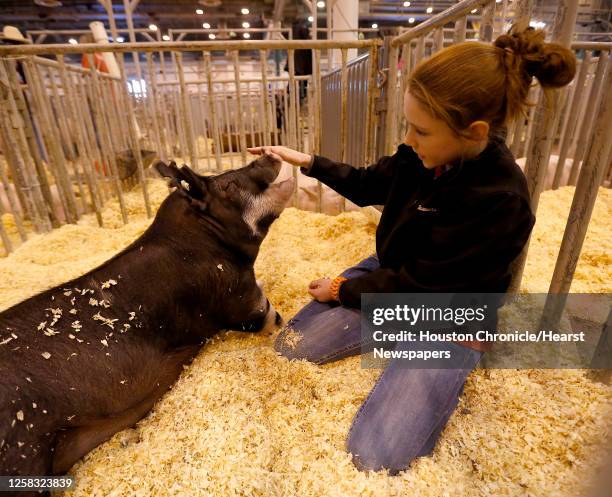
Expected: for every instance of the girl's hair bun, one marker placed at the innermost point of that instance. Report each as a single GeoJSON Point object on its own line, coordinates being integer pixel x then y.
{"type": "Point", "coordinates": [552, 64]}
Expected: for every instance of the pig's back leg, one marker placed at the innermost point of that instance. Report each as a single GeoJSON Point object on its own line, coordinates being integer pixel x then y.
{"type": "Point", "coordinates": [74, 443]}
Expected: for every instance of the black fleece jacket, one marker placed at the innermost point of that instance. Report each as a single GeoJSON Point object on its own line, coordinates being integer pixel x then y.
{"type": "Point", "coordinates": [457, 232]}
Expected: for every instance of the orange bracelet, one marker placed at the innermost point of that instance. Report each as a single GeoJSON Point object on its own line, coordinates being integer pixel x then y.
{"type": "Point", "coordinates": [335, 287]}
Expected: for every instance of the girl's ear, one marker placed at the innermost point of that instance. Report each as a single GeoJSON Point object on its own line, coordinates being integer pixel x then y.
{"type": "Point", "coordinates": [478, 131]}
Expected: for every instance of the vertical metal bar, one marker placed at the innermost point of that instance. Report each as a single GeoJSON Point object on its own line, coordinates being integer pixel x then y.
{"type": "Point", "coordinates": [486, 22]}
{"type": "Point", "coordinates": [134, 137]}
{"type": "Point", "coordinates": [545, 120]}
{"type": "Point", "coordinates": [460, 27]}
{"type": "Point", "coordinates": [293, 98]}
{"type": "Point", "coordinates": [184, 108]}
{"type": "Point", "coordinates": [85, 94]}
{"type": "Point", "coordinates": [212, 109]}
{"type": "Point", "coordinates": [272, 114]}
{"type": "Point", "coordinates": [522, 13]}
{"type": "Point", "coordinates": [438, 39]}
{"type": "Point", "coordinates": [105, 137]}
{"type": "Point", "coordinates": [370, 117]}
{"type": "Point", "coordinates": [298, 114]}
{"type": "Point", "coordinates": [316, 83]}
{"type": "Point", "coordinates": [591, 105]}
{"type": "Point", "coordinates": [225, 110]}
{"type": "Point", "coordinates": [45, 217]}
{"type": "Point", "coordinates": [167, 130]}
{"type": "Point", "coordinates": [311, 115]}
{"type": "Point", "coordinates": [6, 241]}
{"type": "Point", "coordinates": [21, 178]}
{"type": "Point", "coordinates": [263, 55]}
{"type": "Point", "coordinates": [205, 125]}
{"type": "Point", "coordinates": [11, 197]}
{"type": "Point", "coordinates": [568, 135]}
{"type": "Point", "coordinates": [60, 113]}
{"type": "Point", "coordinates": [503, 16]}
{"type": "Point", "coordinates": [82, 151]}
{"type": "Point", "coordinates": [343, 113]}
{"type": "Point", "coordinates": [254, 143]}
{"type": "Point", "coordinates": [361, 113]}
{"type": "Point", "coordinates": [49, 132]}
{"type": "Point", "coordinates": [420, 49]}
{"type": "Point", "coordinates": [390, 126]}
{"type": "Point", "coordinates": [155, 112]}
{"type": "Point", "coordinates": [583, 203]}
{"type": "Point", "coordinates": [536, 91]}
{"type": "Point", "coordinates": [241, 131]}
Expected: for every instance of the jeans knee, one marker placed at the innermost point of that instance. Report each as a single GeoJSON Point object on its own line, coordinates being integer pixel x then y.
{"type": "Point", "coordinates": [375, 457]}
{"type": "Point", "coordinates": [288, 344]}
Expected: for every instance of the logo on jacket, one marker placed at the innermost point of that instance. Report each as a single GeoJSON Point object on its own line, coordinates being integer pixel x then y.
{"type": "Point", "coordinates": [427, 209]}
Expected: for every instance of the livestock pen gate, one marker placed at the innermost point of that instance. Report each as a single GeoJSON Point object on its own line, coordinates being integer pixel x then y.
{"type": "Point", "coordinates": [66, 130]}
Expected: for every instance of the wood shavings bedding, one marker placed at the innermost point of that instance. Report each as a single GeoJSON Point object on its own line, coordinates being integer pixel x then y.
{"type": "Point", "coordinates": [242, 421]}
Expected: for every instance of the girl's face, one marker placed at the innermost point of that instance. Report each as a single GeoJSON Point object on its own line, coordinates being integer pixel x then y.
{"type": "Point", "coordinates": [431, 138]}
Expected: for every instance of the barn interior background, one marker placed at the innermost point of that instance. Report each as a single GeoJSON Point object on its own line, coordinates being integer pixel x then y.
{"type": "Point", "coordinates": [97, 90]}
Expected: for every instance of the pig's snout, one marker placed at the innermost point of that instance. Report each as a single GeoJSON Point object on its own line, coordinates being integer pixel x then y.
{"type": "Point", "coordinates": [273, 320]}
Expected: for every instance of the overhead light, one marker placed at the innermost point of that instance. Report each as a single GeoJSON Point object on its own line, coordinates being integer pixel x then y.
{"type": "Point", "coordinates": [429, 10]}
{"type": "Point", "coordinates": [206, 25]}
{"type": "Point", "coordinates": [406, 4]}
{"type": "Point", "coordinates": [411, 20]}
{"type": "Point", "coordinates": [246, 35]}
{"type": "Point", "coordinates": [120, 39]}
{"type": "Point", "coordinates": [72, 41]}
{"type": "Point", "coordinates": [152, 27]}
{"type": "Point", "coordinates": [166, 38]}
{"type": "Point", "coordinates": [498, 1]}
{"type": "Point", "coordinates": [310, 18]}
{"type": "Point", "coordinates": [244, 11]}
{"type": "Point", "coordinates": [473, 11]}
{"type": "Point", "coordinates": [374, 26]}
{"type": "Point", "coordinates": [212, 36]}
{"type": "Point", "coordinates": [246, 25]}
{"type": "Point", "coordinates": [232, 34]}
{"type": "Point", "coordinates": [321, 5]}
{"type": "Point", "coordinates": [199, 12]}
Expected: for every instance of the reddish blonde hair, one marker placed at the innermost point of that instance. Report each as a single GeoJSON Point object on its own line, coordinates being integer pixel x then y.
{"type": "Point", "coordinates": [474, 81]}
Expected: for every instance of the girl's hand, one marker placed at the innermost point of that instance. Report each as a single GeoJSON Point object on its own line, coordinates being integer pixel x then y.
{"type": "Point", "coordinates": [289, 155]}
{"type": "Point", "coordinates": [319, 289]}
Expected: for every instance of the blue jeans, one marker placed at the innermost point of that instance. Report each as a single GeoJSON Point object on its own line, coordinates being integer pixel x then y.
{"type": "Point", "coordinates": [407, 409]}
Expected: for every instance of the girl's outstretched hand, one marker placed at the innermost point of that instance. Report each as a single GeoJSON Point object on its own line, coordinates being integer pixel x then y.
{"type": "Point", "coordinates": [287, 154]}
{"type": "Point", "coordinates": [319, 289]}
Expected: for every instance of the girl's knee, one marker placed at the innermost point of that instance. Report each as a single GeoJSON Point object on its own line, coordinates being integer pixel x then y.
{"type": "Point", "coordinates": [289, 343]}
{"type": "Point", "coordinates": [376, 457]}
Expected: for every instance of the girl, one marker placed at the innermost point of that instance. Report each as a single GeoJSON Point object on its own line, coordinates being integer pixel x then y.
{"type": "Point", "coordinates": [456, 214]}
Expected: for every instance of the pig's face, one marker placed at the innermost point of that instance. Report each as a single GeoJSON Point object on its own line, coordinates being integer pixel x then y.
{"type": "Point", "coordinates": [244, 201]}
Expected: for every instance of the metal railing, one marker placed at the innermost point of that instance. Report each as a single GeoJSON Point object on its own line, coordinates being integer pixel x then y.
{"type": "Point", "coordinates": [68, 129]}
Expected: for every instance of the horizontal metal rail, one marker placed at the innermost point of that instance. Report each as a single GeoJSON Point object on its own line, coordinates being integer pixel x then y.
{"type": "Point", "coordinates": [183, 46]}
{"type": "Point", "coordinates": [455, 12]}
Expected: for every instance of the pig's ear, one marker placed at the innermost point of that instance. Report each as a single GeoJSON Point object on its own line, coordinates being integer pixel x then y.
{"type": "Point", "coordinates": [167, 170]}
{"type": "Point", "coordinates": [188, 183]}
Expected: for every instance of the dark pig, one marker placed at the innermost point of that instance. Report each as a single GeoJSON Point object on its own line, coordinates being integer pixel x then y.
{"type": "Point", "coordinates": [90, 357]}
{"type": "Point", "coordinates": [127, 164]}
